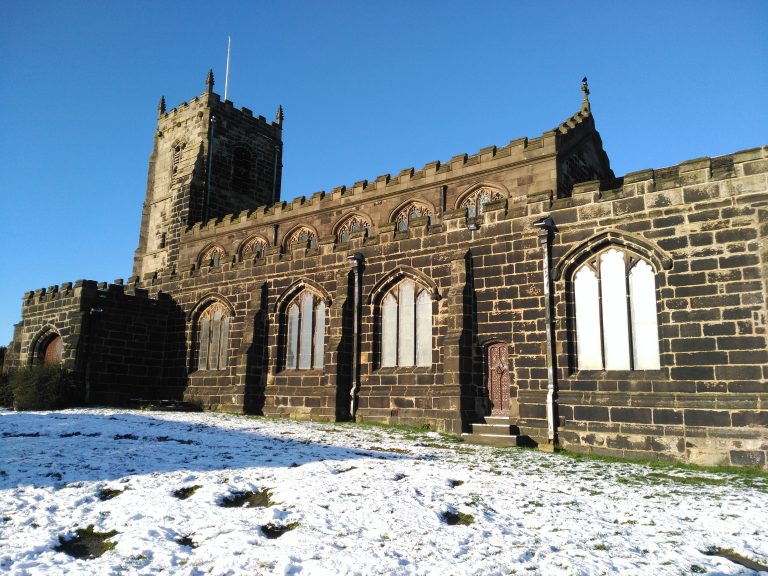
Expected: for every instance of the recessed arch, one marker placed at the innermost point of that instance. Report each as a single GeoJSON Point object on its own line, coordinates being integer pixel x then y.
{"type": "Point", "coordinates": [402, 272]}
{"type": "Point", "coordinates": [660, 259]}
{"type": "Point", "coordinates": [477, 195]}
{"type": "Point", "coordinates": [301, 233]}
{"type": "Point", "coordinates": [352, 223]}
{"type": "Point", "coordinates": [211, 255]}
{"type": "Point", "coordinates": [38, 348]}
{"type": "Point", "coordinates": [207, 300]}
{"type": "Point", "coordinates": [298, 286]}
{"type": "Point", "coordinates": [409, 210]}
{"type": "Point", "coordinates": [249, 247]}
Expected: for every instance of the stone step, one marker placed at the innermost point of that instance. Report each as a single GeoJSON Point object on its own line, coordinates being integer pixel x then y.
{"type": "Point", "coordinates": [497, 429]}
{"type": "Point", "coordinates": [497, 420]}
{"type": "Point", "coordinates": [498, 440]}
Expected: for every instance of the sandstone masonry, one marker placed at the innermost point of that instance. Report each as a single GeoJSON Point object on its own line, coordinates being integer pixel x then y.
{"type": "Point", "coordinates": [329, 280]}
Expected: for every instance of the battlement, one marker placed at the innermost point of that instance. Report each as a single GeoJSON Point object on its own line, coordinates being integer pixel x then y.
{"type": "Point", "coordinates": [77, 289]}
{"type": "Point", "coordinates": [690, 173]}
{"type": "Point", "coordinates": [216, 105]}
{"type": "Point", "coordinates": [517, 151]}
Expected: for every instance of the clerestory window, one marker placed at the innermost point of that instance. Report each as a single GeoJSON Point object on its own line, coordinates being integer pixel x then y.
{"type": "Point", "coordinates": [406, 326]}
{"type": "Point", "coordinates": [616, 318]}
{"type": "Point", "coordinates": [411, 212]}
{"type": "Point", "coordinates": [213, 337]}
{"type": "Point", "coordinates": [305, 332]}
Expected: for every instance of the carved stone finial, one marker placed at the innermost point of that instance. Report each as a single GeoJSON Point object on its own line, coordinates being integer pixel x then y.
{"type": "Point", "coordinates": [161, 106]}
{"type": "Point", "coordinates": [585, 89]}
{"type": "Point", "coordinates": [209, 82]}
{"type": "Point", "coordinates": [279, 116]}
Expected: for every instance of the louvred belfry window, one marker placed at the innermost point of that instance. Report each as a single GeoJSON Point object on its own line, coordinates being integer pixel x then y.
{"type": "Point", "coordinates": [406, 326]}
{"type": "Point", "coordinates": [616, 318]}
{"type": "Point", "coordinates": [213, 337]}
{"type": "Point", "coordinates": [305, 332]}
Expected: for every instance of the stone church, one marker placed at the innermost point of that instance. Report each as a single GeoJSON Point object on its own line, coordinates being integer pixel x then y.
{"type": "Point", "coordinates": [521, 293]}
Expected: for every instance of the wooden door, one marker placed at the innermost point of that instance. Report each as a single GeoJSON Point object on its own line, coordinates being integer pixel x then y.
{"type": "Point", "coordinates": [498, 379]}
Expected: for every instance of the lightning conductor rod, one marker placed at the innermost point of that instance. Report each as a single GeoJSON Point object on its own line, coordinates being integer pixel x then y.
{"type": "Point", "coordinates": [226, 73]}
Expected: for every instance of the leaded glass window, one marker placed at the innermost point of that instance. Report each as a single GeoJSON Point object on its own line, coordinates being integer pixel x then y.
{"type": "Point", "coordinates": [213, 337]}
{"type": "Point", "coordinates": [305, 332]}
{"type": "Point", "coordinates": [406, 326]}
{"type": "Point", "coordinates": [616, 316]}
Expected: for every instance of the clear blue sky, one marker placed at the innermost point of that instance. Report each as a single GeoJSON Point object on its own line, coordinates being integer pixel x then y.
{"type": "Point", "coordinates": [368, 88]}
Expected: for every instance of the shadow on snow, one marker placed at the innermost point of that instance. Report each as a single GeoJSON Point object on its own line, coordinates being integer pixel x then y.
{"type": "Point", "coordinates": [56, 448]}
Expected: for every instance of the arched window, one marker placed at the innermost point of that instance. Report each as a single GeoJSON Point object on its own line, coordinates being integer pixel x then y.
{"type": "Point", "coordinates": [411, 212]}
{"type": "Point", "coordinates": [305, 332]}
{"type": "Point", "coordinates": [254, 248]}
{"type": "Point", "coordinates": [302, 237]}
{"type": "Point", "coordinates": [475, 201]}
{"type": "Point", "coordinates": [616, 318]}
{"type": "Point", "coordinates": [212, 256]}
{"type": "Point", "coordinates": [352, 224]}
{"type": "Point", "coordinates": [213, 337]}
{"type": "Point", "coordinates": [406, 326]}
{"type": "Point", "coordinates": [176, 153]}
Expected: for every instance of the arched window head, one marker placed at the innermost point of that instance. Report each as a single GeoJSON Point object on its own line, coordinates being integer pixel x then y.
{"type": "Point", "coordinates": [177, 151]}
{"type": "Point", "coordinates": [212, 256]}
{"type": "Point", "coordinates": [406, 326]}
{"type": "Point", "coordinates": [410, 212]}
{"type": "Point", "coordinates": [213, 337]}
{"type": "Point", "coordinates": [305, 332]}
{"type": "Point", "coordinates": [350, 225]}
{"type": "Point", "coordinates": [616, 316]}
{"type": "Point", "coordinates": [475, 201]}
{"type": "Point", "coordinates": [242, 169]}
{"type": "Point", "coordinates": [254, 248]}
{"type": "Point", "coordinates": [303, 237]}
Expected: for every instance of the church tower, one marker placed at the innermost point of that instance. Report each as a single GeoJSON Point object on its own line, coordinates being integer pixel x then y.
{"type": "Point", "coordinates": [209, 159]}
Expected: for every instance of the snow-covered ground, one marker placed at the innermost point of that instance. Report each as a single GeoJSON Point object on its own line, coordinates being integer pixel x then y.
{"type": "Point", "coordinates": [364, 500]}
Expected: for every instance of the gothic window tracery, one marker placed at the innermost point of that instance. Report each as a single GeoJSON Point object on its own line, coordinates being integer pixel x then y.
{"type": "Point", "coordinates": [212, 256]}
{"type": "Point", "coordinates": [411, 212]}
{"type": "Point", "coordinates": [616, 313]}
{"type": "Point", "coordinates": [406, 326]}
{"type": "Point", "coordinates": [213, 337]}
{"type": "Point", "coordinates": [254, 248]}
{"type": "Point", "coordinates": [350, 225]}
{"type": "Point", "coordinates": [302, 237]}
{"type": "Point", "coordinates": [305, 332]}
{"type": "Point", "coordinates": [475, 201]}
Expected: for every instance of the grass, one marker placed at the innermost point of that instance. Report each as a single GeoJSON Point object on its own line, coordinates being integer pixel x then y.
{"type": "Point", "coordinates": [458, 518]}
{"type": "Point", "coordinates": [273, 531]}
{"type": "Point", "coordinates": [87, 543]}
{"type": "Point", "coordinates": [744, 473]}
{"type": "Point", "coordinates": [185, 492]}
{"type": "Point", "coordinates": [248, 499]}
{"type": "Point", "coordinates": [735, 557]}
{"type": "Point", "coordinates": [108, 493]}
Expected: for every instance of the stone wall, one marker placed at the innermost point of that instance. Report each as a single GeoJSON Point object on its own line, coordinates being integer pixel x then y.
{"type": "Point", "coordinates": [701, 226]}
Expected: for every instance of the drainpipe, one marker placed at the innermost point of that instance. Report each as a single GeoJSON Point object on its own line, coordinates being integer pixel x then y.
{"type": "Point", "coordinates": [210, 169]}
{"type": "Point", "coordinates": [356, 260]}
{"type": "Point", "coordinates": [546, 227]}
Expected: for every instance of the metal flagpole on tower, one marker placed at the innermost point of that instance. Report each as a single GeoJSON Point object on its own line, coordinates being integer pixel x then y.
{"type": "Point", "coordinates": [226, 74]}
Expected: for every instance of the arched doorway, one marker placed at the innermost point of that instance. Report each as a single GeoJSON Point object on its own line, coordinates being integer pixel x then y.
{"type": "Point", "coordinates": [52, 351]}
